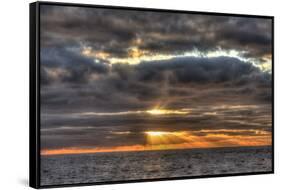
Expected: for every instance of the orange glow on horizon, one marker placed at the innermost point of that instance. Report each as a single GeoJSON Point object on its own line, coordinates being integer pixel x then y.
{"type": "Point", "coordinates": [165, 140]}
{"type": "Point", "coordinates": [76, 150]}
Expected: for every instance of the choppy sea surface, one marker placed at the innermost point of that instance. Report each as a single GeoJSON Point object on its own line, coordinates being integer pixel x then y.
{"type": "Point", "coordinates": [116, 166]}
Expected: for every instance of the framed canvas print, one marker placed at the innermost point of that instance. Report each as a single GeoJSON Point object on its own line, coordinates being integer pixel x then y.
{"type": "Point", "coordinates": [121, 94]}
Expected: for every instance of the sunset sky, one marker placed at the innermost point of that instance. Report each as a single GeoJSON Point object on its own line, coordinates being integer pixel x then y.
{"type": "Point", "coordinates": [124, 80]}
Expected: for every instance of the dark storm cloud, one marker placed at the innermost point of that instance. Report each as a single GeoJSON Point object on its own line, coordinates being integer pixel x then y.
{"type": "Point", "coordinates": [68, 65]}
{"type": "Point", "coordinates": [113, 31]}
{"type": "Point", "coordinates": [126, 87]}
{"type": "Point", "coordinates": [193, 69]}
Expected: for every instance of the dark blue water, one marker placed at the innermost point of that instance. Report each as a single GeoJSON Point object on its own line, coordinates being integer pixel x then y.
{"type": "Point", "coordinates": [102, 167]}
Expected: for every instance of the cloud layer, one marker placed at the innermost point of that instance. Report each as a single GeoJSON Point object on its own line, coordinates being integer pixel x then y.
{"type": "Point", "coordinates": [114, 31]}
{"type": "Point", "coordinates": [92, 95]}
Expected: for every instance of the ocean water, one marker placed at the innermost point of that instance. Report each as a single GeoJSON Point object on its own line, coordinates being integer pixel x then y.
{"type": "Point", "coordinates": [116, 166]}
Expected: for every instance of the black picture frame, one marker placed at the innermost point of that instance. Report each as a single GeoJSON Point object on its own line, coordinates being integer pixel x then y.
{"type": "Point", "coordinates": [34, 94]}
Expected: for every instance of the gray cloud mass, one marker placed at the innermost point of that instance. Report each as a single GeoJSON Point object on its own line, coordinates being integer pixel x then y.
{"type": "Point", "coordinates": [113, 31]}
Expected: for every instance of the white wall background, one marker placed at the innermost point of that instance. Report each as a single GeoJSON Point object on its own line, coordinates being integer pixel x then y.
{"type": "Point", "coordinates": [14, 94]}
